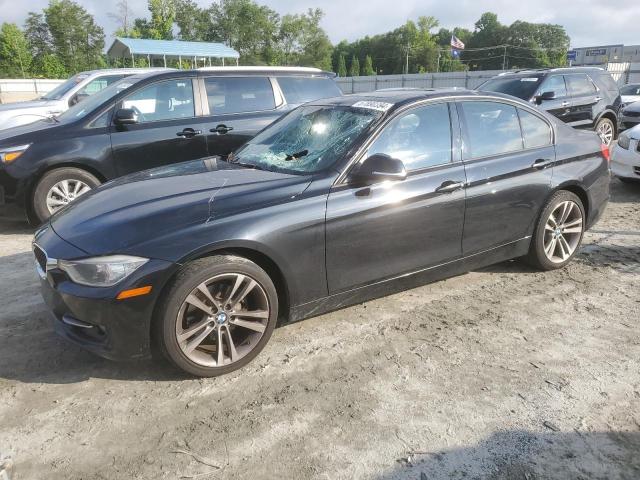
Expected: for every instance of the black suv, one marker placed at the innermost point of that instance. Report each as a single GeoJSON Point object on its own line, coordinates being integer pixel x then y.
{"type": "Point", "coordinates": [583, 97]}
{"type": "Point", "coordinates": [146, 121]}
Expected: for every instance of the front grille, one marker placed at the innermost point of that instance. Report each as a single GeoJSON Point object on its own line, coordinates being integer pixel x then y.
{"type": "Point", "coordinates": [41, 257]}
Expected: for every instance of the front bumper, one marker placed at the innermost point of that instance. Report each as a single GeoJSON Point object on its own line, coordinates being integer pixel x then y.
{"type": "Point", "coordinates": [91, 317]}
{"type": "Point", "coordinates": [626, 163]}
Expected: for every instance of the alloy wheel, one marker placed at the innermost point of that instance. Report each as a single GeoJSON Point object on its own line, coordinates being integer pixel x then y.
{"type": "Point", "coordinates": [65, 192]}
{"type": "Point", "coordinates": [563, 231]}
{"type": "Point", "coordinates": [222, 320]}
{"type": "Point", "coordinates": [605, 131]}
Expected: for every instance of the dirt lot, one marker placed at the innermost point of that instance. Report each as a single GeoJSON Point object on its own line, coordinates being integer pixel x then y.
{"type": "Point", "coordinates": [503, 373]}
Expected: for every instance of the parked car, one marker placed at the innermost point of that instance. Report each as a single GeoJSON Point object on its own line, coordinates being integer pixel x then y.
{"type": "Point", "coordinates": [583, 97]}
{"type": "Point", "coordinates": [339, 201]}
{"type": "Point", "coordinates": [630, 115]}
{"type": "Point", "coordinates": [625, 156]}
{"type": "Point", "coordinates": [65, 95]}
{"type": "Point", "coordinates": [630, 93]}
{"type": "Point", "coordinates": [146, 121]}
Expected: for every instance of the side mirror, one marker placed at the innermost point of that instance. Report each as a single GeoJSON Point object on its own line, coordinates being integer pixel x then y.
{"type": "Point", "coordinates": [545, 96]}
{"type": "Point", "coordinates": [125, 116]}
{"type": "Point", "coordinates": [378, 168]}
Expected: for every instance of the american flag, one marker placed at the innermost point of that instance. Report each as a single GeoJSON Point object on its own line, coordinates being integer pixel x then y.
{"type": "Point", "coordinates": [456, 43]}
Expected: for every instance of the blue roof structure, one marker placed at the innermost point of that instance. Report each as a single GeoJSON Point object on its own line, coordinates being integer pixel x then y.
{"type": "Point", "coordinates": [126, 47]}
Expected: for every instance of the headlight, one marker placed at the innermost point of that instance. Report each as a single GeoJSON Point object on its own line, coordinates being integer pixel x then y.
{"type": "Point", "coordinates": [624, 141]}
{"type": "Point", "coordinates": [101, 271]}
{"type": "Point", "coordinates": [8, 155]}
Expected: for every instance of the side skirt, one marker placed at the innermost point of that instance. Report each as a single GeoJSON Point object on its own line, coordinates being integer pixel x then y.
{"type": "Point", "coordinates": [409, 281]}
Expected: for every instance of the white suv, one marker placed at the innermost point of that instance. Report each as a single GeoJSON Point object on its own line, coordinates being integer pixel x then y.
{"type": "Point", "coordinates": [65, 95]}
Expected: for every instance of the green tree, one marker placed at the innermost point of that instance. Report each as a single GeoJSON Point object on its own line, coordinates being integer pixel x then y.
{"type": "Point", "coordinates": [368, 66]}
{"type": "Point", "coordinates": [194, 23]}
{"type": "Point", "coordinates": [342, 66]}
{"type": "Point", "coordinates": [75, 38]}
{"type": "Point", "coordinates": [123, 17]}
{"type": "Point", "coordinates": [354, 69]}
{"type": "Point", "coordinates": [15, 58]}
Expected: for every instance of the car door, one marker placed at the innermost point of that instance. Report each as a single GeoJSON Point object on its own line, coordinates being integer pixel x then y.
{"type": "Point", "coordinates": [559, 106]}
{"type": "Point", "coordinates": [508, 173]}
{"type": "Point", "coordinates": [167, 131]}
{"type": "Point", "coordinates": [387, 229]}
{"type": "Point", "coordinates": [236, 108]}
{"type": "Point", "coordinates": [584, 98]}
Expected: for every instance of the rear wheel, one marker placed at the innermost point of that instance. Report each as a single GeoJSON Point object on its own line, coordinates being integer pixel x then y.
{"type": "Point", "coordinates": [217, 316]}
{"type": "Point", "coordinates": [558, 233]}
{"type": "Point", "coordinates": [606, 130]}
{"type": "Point", "coordinates": [59, 187]}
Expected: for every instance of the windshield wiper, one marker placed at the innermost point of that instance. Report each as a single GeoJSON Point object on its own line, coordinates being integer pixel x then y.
{"type": "Point", "coordinates": [231, 158]}
{"type": "Point", "coordinates": [297, 155]}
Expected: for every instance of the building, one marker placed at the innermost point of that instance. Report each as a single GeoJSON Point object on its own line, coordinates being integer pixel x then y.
{"type": "Point", "coordinates": [604, 54]}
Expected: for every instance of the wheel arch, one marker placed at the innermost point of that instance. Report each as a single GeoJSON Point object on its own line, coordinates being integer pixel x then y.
{"type": "Point", "coordinates": [31, 186]}
{"type": "Point", "coordinates": [610, 115]}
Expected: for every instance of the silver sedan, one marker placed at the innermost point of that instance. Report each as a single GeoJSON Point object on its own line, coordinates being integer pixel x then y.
{"type": "Point", "coordinates": [625, 156]}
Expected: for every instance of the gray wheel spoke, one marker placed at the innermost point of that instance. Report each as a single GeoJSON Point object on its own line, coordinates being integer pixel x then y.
{"type": "Point", "coordinates": [55, 189]}
{"type": "Point", "coordinates": [245, 291]}
{"type": "Point", "coordinates": [196, 302]}
{"type": "Point", "coordinates": [202, 288]}
{"type": "Point", "coordinates": [566, 210]}
{"type": "Point", "coordinates": [232, 347]}
{"type": "Point", "coordinates": [188, 333]}
{"type": "Point", "coordinates": [550, 250]}
{"type": "Point", "coordinates": [564, 247]}
{"type": "Point", "coordinates": [236, 286]}
{"type": "Point", "coordinates": [255, 326]}
{"type": "Point", "coordinates": [220, 356]}
{"type": "Point", "coordinates": [196, 341]}
{"type": "Point", "coordinates": [572, 230]}
{"type": "Point", "coordinates": [573, 223]}
{"type": "Point", "coordinates": [253, 314]}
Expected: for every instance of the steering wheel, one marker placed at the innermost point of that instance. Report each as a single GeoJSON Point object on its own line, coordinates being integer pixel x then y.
{"type": "Point", "coordinates": [138, 112]}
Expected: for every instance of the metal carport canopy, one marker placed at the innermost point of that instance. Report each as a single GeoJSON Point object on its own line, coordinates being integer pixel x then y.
{"type": "Point", "coordinates": [128, 47]}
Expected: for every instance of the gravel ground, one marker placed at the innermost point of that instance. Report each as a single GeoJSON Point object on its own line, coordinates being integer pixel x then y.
{"type": "Point", "coordinates": [502, 373]}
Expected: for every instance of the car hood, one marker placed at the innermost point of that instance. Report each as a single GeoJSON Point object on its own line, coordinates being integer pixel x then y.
{"type": "Point", "coordinates": [27, 133]}
{"type": "Point", "coordinates": [148, 205]}
{"type": "Point", "coordinates": [633, 107]}
{"type": "Point", "coordinates": [31, 104]}
{"type": "Point", "coordinates": [630, 98]}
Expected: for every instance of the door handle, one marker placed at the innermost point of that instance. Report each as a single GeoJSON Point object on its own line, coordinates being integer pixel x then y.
{"type": "Point", "coordinates": [449, 186]}
{"type": "Point", "coordinates": [541, 163]}
{"type": "Point", "coordinates": [189, 132]}
{"type": "Point", "coordinates": [221, 129]}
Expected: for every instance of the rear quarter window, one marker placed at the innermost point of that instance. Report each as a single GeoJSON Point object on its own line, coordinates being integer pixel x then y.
{"type": "Point", "coordinates": [307, 89]}
{"type": "Point", "coordinates": [608, 82]}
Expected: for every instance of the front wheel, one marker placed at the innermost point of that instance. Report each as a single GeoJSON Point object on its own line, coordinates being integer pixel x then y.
{"type": "Point", "coordinates": [217, 316]}
{"type": "Point", "coordinates": [558, 233]}
{"type": "Point", "coordinates": [59, 187]}
{"type": "Point", "coordinates": [606, 130]}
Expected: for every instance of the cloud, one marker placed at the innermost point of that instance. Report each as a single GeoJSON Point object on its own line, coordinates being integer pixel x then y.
{"type": "Point", "coordinates": [588, 22]}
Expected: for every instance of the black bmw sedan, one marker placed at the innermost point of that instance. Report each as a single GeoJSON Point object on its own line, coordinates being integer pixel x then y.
{"type": "Point", "coordinates": [339, 201]}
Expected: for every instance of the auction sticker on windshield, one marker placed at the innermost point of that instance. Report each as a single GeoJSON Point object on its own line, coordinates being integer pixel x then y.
{"type": "Point", "coordinates": [371, 105]}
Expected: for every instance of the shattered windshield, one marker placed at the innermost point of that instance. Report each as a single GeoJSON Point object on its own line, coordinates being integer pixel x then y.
{"type": "Point", "coordinates": [307, 140]}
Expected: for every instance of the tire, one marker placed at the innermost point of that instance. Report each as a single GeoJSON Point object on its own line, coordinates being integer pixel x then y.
{"type": "Point", "coordinates": [543, 237]}
{"type": "Point", "coordinates": [56, 177]}
{"type": "Point", "coordinates": [607, 131]}
{"type": "Point", "coordinates": [179, 314]}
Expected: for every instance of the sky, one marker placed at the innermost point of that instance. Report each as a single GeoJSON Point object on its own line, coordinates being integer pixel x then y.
{"type": "Point", "coordinates": [588, 22]}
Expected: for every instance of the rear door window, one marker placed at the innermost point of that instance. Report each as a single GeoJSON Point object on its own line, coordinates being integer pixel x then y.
{"type": "Point", "coordinates": [492, 129]}
{"type": "Point", "coordinates": [535, 131]}
{"type": "Point", "coordinates": [579, 85]}
{"type": "Point", "coordinates": [306, 89]}
{"type": "Point", "coordinates": [239, 94]}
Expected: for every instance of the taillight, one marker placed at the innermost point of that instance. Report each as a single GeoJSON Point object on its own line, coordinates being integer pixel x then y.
{"type": "Point", "coordinates": [605, 152]}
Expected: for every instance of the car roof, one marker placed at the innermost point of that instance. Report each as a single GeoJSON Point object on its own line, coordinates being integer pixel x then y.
{"type": "Point", "coordinates": [112, 71]}
{"type": "Point", "coordinates": [401, 96]}
{"type": "Point", "coordinates": [542, 71]}
{"type": "Point", "coordinates": [259, 70]}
